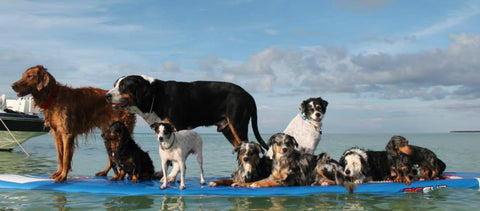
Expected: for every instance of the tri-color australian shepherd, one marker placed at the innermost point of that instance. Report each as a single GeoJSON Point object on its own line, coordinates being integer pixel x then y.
{"type": "Point", "coordinates": [407, 160]}
{"type": "Point", "coordinates": [361, 166]}
{"type": "Point", "coordinates": [330, 172]}
{"type": "Point", "coordinates": [127, 155]}
{"type": "Point", "coordinates": [251, 167]}
{"type": "Point", "coordinates": [290, 167]}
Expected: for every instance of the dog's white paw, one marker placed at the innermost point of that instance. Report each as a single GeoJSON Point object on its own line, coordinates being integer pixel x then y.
{"type": "Point", "coordinates": [163, 187]}
{"type": "Point", "coordinates": [212, 184]}
{"type": "Point", "coordinates": [182, 187]}
{"type": "Point", "coordinates": [254, 185]}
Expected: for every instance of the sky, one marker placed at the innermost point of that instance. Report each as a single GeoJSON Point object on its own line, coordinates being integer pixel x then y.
{"type": "Point", "coordinates": [384, 66]}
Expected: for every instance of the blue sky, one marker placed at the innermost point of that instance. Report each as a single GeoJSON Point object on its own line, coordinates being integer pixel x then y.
{"type": "Point", "coordinates": [383, 65]}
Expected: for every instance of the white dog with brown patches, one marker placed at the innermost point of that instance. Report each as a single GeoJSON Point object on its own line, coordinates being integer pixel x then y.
{"type": "Point", "coordinates": [176, 146]}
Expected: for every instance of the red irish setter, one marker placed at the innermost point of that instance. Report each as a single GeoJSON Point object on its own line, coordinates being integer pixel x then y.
{"type": "Point", "coordinates": [70, 112]}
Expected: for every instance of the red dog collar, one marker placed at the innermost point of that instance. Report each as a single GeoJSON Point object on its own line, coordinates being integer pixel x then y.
{"type": "Point", "coordinates": [50, 99]}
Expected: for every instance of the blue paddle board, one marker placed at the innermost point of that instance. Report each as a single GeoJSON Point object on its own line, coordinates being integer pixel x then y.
{"type": "Point", "coordinates": [102, 185]}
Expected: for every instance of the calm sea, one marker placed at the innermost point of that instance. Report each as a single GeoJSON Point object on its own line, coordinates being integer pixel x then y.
{"type": "Point", "coordinates": [458, 151]}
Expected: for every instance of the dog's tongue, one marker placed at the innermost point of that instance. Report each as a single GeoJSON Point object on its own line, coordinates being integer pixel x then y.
{"type": "Point", "coordinates": [119, 105]}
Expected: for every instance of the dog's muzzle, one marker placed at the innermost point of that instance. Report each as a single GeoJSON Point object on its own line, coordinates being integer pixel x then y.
{"type": "Point", "coordinates": [108, 97]}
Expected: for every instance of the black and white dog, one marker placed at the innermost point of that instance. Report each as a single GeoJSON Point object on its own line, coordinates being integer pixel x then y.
{"type": "Point", "coordinates": [363, 166]}
{"type": "Point", "coordinates": [330, 172]}
{"type": "Point", "coordinates": [175, 146]}
{"type": "Point", "coordinates": [189, 104]}
{"type": "Point", "coordinates": [306, 127]}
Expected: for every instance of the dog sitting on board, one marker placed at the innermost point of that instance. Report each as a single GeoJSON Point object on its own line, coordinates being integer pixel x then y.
{"type": "Point", "coordinates": [251, 167]}
{"type": "Point", "coordinates": [290, 167]}
{"type": "Point", "coordinates": [306, 127]}
{"type": "Point", "coordinates": [361, 166]}
{"type": "Point", "coordinates": [127, 155]}
{"type": "Point", "coordinates": [175, 146]}
{"type": "Point", "coordinates": [402, 157]}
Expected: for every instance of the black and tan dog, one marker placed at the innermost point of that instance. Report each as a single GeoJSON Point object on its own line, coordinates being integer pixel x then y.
{"type": "Point", "coordinates": [402, 157]}
{"type": "Point", "coordinates": [290, 167]}
{"type": "Point", "coordinates": [127, 155]}
{"type": "Point", "coordinates": [189, 104]}
{"type": "Point", "coordinates": [251, 167]}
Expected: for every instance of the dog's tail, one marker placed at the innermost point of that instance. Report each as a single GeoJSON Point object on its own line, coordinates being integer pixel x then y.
{"type": "Point", "coordinates": [253, 117]}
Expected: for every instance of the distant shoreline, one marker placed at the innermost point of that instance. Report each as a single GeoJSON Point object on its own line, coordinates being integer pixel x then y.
{"type": "Point", "coordinates": [465, 131]}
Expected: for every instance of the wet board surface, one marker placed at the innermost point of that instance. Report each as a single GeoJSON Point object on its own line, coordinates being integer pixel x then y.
{"type": "Point", "coordinates": [102, 185]}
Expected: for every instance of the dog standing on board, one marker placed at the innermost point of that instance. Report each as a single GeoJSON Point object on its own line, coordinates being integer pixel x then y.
{"type": "Point", "coordinates": [188, 105]}
{"type": "Point", "coordinates": [251, 167]}
{"type": "Point", "coordinates": [127, 155]}
{"type": "Point", "coordinates": [175, 146]}
{"type": "Point", "coordinates": [70, 112]}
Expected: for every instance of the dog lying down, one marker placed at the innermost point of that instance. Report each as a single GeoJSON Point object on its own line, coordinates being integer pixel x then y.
{"type": "Point", "coordinates": [175, 146]}
{"type": "Point", "coordinates": [251, 167]}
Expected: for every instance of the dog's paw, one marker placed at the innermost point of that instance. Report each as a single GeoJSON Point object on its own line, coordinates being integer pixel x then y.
{"type": "Point", "coordinates": [163, 187]}
{"type": "Point", "coordinates": [182, 187]}
{"type": "Point", "coordinates": [212, 184]}
{"type": "Point", "coordinates": [171, 179]}
{"type": "Point", "coordinates": [254, 185]}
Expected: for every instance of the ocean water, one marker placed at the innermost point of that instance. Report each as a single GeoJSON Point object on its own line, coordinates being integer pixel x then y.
{"type": "Point", "coordinates": [458, 150]}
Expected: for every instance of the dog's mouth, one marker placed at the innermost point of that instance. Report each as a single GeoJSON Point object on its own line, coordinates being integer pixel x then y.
{"type": "Point", "coordinates": [122, 104]}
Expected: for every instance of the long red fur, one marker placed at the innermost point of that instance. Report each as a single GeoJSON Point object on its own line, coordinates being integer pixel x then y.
{"type": "Point", "coordinates": [72, 112]}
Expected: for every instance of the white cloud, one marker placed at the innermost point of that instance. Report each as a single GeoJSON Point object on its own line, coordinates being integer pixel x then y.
{"type": "Point", "coordinates": [428, 75]}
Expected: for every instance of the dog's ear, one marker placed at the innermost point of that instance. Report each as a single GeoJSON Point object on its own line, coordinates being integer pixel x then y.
{"type": "Point", "coordinates": [303, 106]}
{"type": "Point", "coordinates": [236, 149]}
{"type": "Point", "coordinates": [342, 161]}
{"type": "Point", "coordinates": [292, 139]}
{"type": "Point", "coordinates": [324, 105]}
{"type": "Point", "coordinates": [271, 141]}
{"type": "Point", "coordinates": [365, 166]}
{"type": "Point", "coordinates": [154, 126]}
{"type": "Point", "coordinates": [259, 149]}
{"type": "Point", "coordinates": [43, 77]}
{"type": "Point", "coordinates": [173, 128]}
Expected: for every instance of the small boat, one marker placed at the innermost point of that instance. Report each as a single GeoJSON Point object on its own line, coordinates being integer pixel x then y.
{"type": "Point", "coordinates": [19, 121]}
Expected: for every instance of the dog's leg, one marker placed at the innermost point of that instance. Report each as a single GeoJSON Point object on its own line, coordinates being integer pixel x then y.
{"type": "Point", "coordinates": [181, 163]}
{"type": "Point", "coordinates": [173, 174]}
{"type": "Point", "coordinates": [222, 182]}
{"type": "Point", "coordinates": [59, 146]}
{"type": "Point", "coordinates": [267, 182]}
{"type": "Point", "coordinates": [200, 163]}
{"type": "Point", "coordinates": [121, 175]}
{"type": "Point", "coordinates": [164, 170]}
{"type": "Point", "coordinates": [109, 164]}
{"type": "Point", "coordinates": [68, 148]}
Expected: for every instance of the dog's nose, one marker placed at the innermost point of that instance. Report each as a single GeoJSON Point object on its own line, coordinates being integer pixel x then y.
{"type": "Point", "coordinates": [317, 114]}
{"type": "Point", "coordinates": [108, 96]}
{"type": "Point", "coordinates": [160, 139]}
{"type": "Point", "coordinates": [347, 172]}
{"type": "Point", "coordinates": [284, 150]}
{"type": "Point", "coordinates": [245, 159]}
{"type": "Point", "coordinates": [414, 171]}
